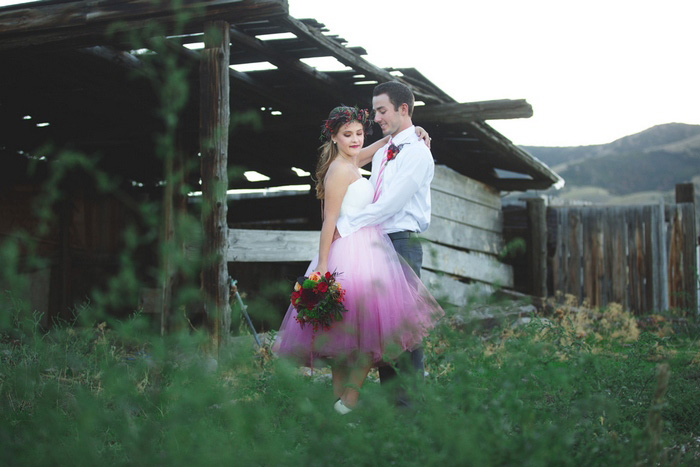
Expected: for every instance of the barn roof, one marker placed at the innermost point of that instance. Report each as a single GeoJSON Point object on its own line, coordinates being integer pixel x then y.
{"type": "Point", "coordinates": [69, 77]}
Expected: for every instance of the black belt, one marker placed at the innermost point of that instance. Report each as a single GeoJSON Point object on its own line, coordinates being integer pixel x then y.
{"type": "Point", "coordinates": [404, 234]}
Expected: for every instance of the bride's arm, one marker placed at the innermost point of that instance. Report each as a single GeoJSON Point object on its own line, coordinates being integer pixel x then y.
{"type": "Point", "coordinates": [336, 184]}
{"type": "Point", "coordinates": [367, 152]}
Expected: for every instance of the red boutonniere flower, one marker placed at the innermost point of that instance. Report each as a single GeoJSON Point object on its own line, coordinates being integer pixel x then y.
{"type": "Point", "coordinates": [392, 152]}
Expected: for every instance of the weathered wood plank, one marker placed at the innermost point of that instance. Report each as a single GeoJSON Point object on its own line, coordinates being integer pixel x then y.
{"type": "Point", "coordinates": [621, 273]}
{"type": "Point", "coordinates": [453, 183]}
{"type": "Point", "coordinates": [675, 259]}
{"type": "Point", "coordinates": [685, 193]}
{"type": "Point", "coordinates": [456, 209]}
{"type": "Point", "coordinates": [248, 245]}
{"type": "Point", "coordinates": [574, 241]}
{"type": "Point", "coordinates": [609, 239]}
{"type": "Point", "coordinates": [662, 259]}
{"type": "Point", "coordinates": [76, 21]}
{"type": "Point", "coordinates": [650, 256]}
{"type": "Point", "coordinates": [587, 278]}
{"type": "Point", "coordinates": [690, 282]}
{"type": "Point", "coordinates": [559, 263]}
{"type": "Point", "coordinates": [683, 259]}
{"type": "Point", "coordinates": [454, 292]}
{"type": "Point", "coordinates": [470, 265]}
{"type": "Point", "coordinates": [452, 233]}
{"type": "Point", "coordinates": [474, 111]}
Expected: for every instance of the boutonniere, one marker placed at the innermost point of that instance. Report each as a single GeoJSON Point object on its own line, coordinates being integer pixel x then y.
{"type": "Point", "coordinates": [393, 151]}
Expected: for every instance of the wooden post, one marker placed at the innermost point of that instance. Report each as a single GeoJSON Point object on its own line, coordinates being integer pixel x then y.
{"type": "Point", "coordinates": [213, 136]}
{"type": "Point", "coordinates": [685, 193]}
{"type": "Point", "coordinates": [537, 220]}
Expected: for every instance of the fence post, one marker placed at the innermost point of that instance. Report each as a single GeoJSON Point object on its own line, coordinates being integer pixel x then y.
{"type": "Point", "coordinates": [685, 193]}
{"type": "Point", "coordinates": [537, 221]}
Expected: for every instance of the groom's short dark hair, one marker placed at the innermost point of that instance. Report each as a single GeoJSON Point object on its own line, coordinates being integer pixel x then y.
{"type": "Point", "coordinates": [398, 94]}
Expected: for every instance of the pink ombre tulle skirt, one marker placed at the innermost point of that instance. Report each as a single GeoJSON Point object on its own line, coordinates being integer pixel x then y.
{"type": "Point", "coordinates": [389, 308]}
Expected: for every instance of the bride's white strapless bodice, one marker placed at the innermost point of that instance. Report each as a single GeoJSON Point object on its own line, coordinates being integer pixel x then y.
{"type": "Point", "coordinates": [359, 194]}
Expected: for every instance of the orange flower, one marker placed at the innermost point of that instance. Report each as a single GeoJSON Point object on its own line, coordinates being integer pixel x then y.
{"type": "Point", "coordinates": [315, 276]}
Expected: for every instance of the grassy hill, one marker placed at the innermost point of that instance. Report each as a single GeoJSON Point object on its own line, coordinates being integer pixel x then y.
{"type": "Point", "coordinates": [650, 162]}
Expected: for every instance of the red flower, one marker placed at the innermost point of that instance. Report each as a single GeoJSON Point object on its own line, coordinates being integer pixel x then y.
{"type": "Point", "coordinates": [328, 275]}
{"type": "Point", "coordinates": [392, 152]}
{"type": "Point", "coordinates": [322, 287]}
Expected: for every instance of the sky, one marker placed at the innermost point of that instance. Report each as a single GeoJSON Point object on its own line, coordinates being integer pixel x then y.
{"type": "Point", "coordinates": [593, 71]}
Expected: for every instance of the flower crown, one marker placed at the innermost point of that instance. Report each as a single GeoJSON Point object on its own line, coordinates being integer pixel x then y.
{"type": "Point", "coordinates": [342, 115]}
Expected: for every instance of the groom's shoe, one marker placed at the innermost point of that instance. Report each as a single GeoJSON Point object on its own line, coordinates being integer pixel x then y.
{"type": "Point", "coordinates": [341, 408]}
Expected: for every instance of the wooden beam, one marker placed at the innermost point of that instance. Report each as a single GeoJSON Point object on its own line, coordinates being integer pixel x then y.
{"type": "Point", "coordinates": [81, 22]}
{"type": "Point", "coordinates": [471, 111]}
{"type": "Point", "coordinates": [214, 126]}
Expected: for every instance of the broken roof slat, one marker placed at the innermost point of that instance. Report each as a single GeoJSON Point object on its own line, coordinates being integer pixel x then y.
{"type": "Point", "coordinates": [320, 80]}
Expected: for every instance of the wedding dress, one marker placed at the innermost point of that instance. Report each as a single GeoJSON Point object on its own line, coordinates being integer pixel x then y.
{"type": "Point", "coordinates": [389, 308]}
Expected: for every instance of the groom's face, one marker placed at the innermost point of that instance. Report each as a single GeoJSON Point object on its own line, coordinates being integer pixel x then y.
{"type": "Point", "coordinates": [388, 118]}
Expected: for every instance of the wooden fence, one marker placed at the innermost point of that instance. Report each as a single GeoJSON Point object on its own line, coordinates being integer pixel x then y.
{"type": "Point", "coordinates": [643, 257]}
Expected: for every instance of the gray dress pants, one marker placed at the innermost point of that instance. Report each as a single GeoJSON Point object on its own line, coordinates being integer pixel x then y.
{"type": "Point", "coordinates": [409, 247]}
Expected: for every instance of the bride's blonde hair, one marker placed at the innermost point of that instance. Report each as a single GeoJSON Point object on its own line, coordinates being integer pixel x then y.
{"type": "Point", "coordinates": [328, 151]}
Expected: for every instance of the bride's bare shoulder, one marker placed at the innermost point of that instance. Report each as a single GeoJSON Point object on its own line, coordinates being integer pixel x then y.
{"type": "Point", "coordinates": [340, 171]}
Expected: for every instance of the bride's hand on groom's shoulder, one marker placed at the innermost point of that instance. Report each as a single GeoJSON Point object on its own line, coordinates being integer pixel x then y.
{"type": "Point", "coordinates": [423, 135]}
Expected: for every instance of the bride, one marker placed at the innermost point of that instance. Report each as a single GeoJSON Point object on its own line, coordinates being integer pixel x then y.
{"type": "Point", "coordinates": [389, 309]}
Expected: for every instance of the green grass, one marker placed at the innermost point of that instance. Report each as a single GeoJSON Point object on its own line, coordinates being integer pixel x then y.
{"type": "Point", "coordinates": [533, 395]}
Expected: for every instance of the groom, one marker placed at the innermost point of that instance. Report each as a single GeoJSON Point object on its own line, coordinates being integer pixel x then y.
{"type": "Point", "coordinates": [402, 190]}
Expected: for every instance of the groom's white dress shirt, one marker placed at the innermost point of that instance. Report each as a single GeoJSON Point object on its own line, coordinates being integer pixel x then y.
{"type": "Point", "coordinates": [404, 203]}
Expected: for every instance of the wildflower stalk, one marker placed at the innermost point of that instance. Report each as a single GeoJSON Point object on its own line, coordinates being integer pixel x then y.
{"type": "Point", "coordinates": [655, 421]}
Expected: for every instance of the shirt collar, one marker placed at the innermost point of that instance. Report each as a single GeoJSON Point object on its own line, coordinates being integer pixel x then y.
{"type": "Point", "coordinates": [406, 136]}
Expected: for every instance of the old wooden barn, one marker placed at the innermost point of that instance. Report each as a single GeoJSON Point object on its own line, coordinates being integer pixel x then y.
{"type": "Point", "coordinates": [78, 76]}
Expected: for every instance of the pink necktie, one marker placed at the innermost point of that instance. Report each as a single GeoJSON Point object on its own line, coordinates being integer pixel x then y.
{"type": "Point", "coordinates": [385, 161]}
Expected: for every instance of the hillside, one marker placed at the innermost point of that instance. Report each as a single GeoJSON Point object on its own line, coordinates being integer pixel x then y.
{"type": "Point", "coordinates": [654, 160]}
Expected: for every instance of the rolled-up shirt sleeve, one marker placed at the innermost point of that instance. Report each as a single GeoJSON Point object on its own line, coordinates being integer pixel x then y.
{"type": "Point", "coordinates": [414, 167]}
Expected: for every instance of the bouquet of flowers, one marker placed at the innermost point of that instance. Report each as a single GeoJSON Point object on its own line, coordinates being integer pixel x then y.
{"type": "Point", "coordinates": [318, 300]}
